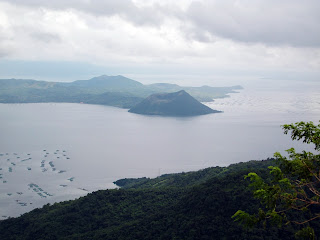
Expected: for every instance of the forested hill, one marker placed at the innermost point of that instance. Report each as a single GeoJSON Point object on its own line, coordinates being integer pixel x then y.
{"type": "Point", "coordinates": [117, 91]}
{"type": "Point", "coordinates": [195, 205]}
{"type": "Point", "coordinates": [190, 179]}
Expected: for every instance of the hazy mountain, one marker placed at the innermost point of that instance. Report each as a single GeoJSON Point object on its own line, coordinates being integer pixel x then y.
{"type": "Point", "coordinates": [202, 94]}
{"type": "Point", "coordinates": [171, 104]}
{"type": "Point", "coordinates": [117, 91]}
{"type": "Point", "coordinates": [108, 82]}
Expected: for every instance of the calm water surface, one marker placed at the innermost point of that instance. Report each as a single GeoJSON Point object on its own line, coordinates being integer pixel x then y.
{"type": "Point", "coordinates": [87, 147]}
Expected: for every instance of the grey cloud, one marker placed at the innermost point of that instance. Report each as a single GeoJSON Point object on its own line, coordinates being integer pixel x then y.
{"type": "Point", "coordinates": [92, 6]}
{"type": "Point", "coordinates": [5, 48]}
{"type": "Point", "coordinates": [5, 44]}
{"type": "Point", "coordinates": [45, 37]}
{"type": "Point", "coordinates": [123, 8]}
{"type": "Point", "coordinates": [286, 22]}
{"type": "Point", "coordinates": [271, 22]}
{"type": "Point", "coordinates": [4, 52]}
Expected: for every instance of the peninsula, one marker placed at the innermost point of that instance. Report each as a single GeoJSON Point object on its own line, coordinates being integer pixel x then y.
{"type": "Point", "coordinates": [117, 91]}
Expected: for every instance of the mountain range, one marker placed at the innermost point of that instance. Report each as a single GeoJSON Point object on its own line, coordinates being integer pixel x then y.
{"type": "Point", "coordinates": [117, 91]}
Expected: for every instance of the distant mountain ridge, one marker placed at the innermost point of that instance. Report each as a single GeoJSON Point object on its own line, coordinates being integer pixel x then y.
{"type": "Point", "coordinates": [171, 104]}
{"type": "Point", "coordinates": [117, 91]}
{"type": "Point", "coordinates": [111, 82]}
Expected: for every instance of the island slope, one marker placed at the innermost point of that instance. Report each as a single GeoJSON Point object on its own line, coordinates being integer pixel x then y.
{"type": "Point", "coordinates": [171, 104]}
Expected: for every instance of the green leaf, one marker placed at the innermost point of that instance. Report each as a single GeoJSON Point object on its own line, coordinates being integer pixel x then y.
{"type": "Point", "coordinates": [306, 233]}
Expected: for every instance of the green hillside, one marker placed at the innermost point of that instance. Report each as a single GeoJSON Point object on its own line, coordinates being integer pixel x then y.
{"type": "Point", "coordinates": [195, 205]}
{"type": "Point", "coordinates": [190, 179]}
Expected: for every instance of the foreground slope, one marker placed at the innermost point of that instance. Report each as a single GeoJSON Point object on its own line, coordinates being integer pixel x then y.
{"type": "Point", "coordinates": [171, 104]}
{"type": "Point", "coordinates": [176, 210]}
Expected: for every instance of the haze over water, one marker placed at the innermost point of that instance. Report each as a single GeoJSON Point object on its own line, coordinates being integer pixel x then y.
{"type": "Point", "coordinates": [103, 144]}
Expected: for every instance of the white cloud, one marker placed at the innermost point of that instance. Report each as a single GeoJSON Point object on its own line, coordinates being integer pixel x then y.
{"type": "Point", "coordinates": [291, 22]}
{"type": "Point", "coordinates": [272, 22]}
{"type": "Point", "coordinates": [248, 35]}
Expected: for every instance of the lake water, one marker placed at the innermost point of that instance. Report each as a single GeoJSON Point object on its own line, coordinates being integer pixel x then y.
{"type": "Point", "coordinates": [52, 152]}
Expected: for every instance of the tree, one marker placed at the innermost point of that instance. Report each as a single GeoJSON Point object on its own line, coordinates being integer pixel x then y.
{"type": "Point", "coordinates": [293, 187]}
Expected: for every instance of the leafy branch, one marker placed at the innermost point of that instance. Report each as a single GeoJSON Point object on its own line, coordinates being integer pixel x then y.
{"type": "Point", "coordinates": [294, 184]}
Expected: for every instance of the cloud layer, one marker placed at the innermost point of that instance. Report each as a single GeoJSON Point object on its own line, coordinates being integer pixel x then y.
{"type": "Point", "coordinates": [237, 34]}
{"type": "Point", "coordinates": [293, 23]}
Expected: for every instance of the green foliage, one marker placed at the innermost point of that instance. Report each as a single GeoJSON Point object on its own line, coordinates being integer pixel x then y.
{"type": "Point", "coordinates": [306, 233]}
{"type": "Point", "coordinates": [154, 210]}
{"type": "Point", "coordinates": [307, 131]}
{"type": "Point", "coordinates": [246, 219]}
{"type": "Point", "coordinates": [293, 185]}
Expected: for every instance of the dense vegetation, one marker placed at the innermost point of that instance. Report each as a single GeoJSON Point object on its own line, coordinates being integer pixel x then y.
{"type": "Point", "coordinates": [189, 179]}
{"type": "Point", "coordinates": [115, 91]}
{"type": "Point", "coordinates": [292, 192]}
{"type": "Point", "coordinates": [195, 205]}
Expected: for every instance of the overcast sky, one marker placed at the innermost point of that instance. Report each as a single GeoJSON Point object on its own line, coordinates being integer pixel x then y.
{"type": "Point", "coordinates": [78, 39]}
